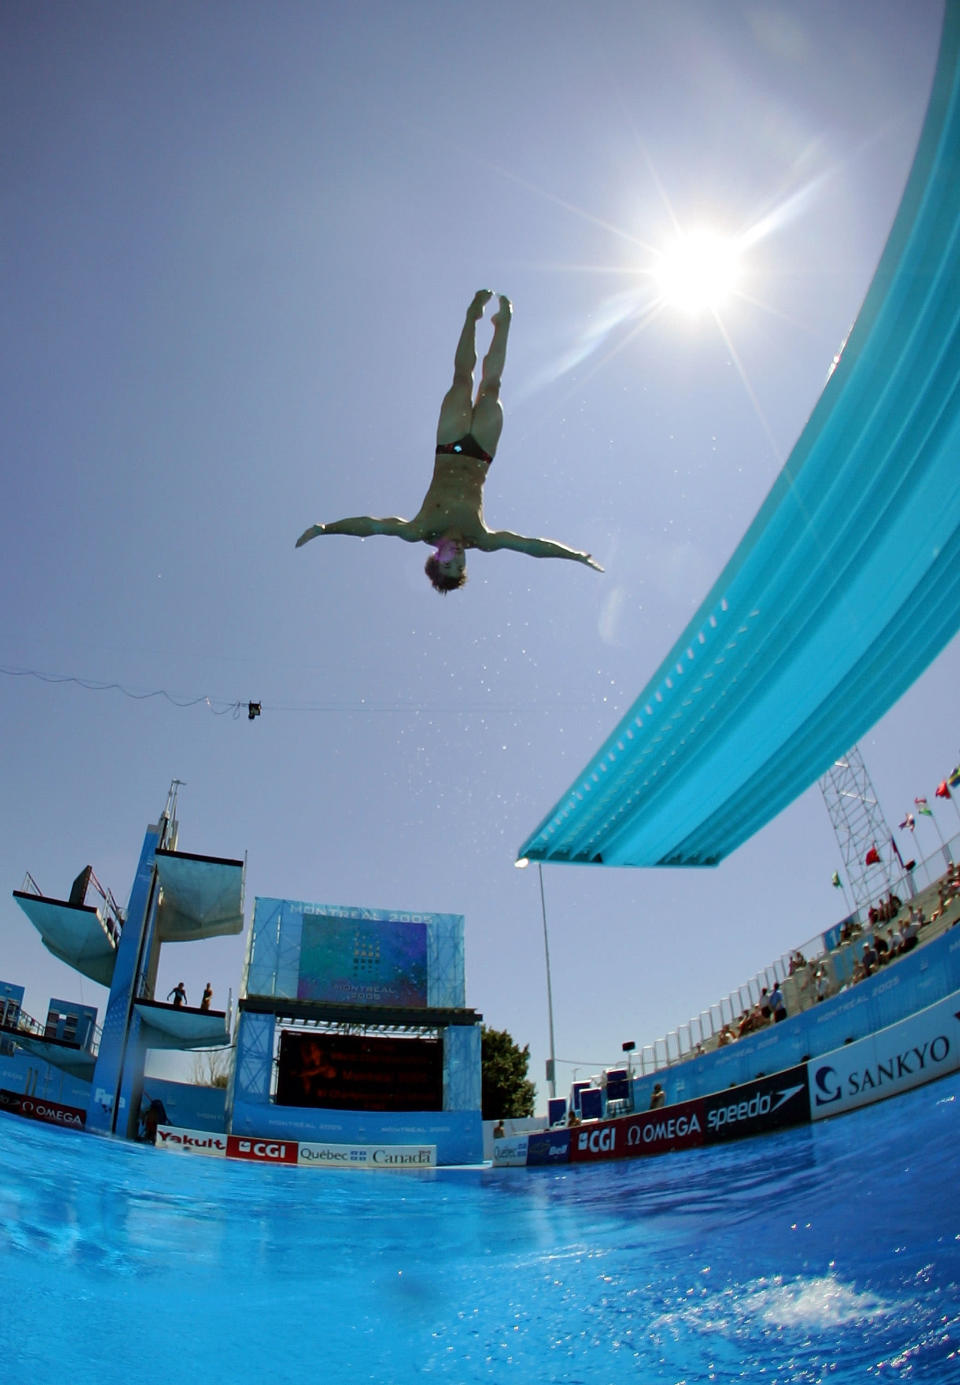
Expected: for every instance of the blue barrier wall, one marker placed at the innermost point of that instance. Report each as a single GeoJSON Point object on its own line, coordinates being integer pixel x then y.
{"type": "Point", "coordinates": [187, 1105]}
{"type": "Point", "coordinates": [19, 1072]}
{"type": "Point", "coordinates": [909, 984]}
{"type": "Point", "coordinates": [458, 1135]}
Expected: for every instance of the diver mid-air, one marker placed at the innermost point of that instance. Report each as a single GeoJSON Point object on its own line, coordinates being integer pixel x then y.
{"type": "Point", "coordinates": [451, 516]}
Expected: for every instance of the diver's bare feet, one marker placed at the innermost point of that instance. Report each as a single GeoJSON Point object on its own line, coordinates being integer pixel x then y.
{"type": "Point", "coordinates": [480, 300]}
{"type": "Point", "coordinates": [505, 313]}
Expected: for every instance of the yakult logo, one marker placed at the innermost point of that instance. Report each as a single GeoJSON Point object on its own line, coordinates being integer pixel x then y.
{"type": "Point", "coordinates": [192, 1141]}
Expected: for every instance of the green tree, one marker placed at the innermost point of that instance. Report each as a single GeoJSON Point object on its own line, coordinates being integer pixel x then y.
{"type": "Point", "coordinates": [507, 1091]}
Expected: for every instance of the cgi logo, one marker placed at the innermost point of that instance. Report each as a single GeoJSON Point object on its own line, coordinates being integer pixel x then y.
{"type": "Point", "coordinates": [598, 1141]}
{"type": "Point", "coordinates": [267, 1150]}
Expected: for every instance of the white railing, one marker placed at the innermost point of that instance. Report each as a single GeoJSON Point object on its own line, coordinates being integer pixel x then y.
{"type": "Point", "coordinates": [702, 1030]}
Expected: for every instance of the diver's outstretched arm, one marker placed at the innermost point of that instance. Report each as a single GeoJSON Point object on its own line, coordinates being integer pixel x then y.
{"type": "Point", "coordinates": [363, 527]}
{"type": "Point", "coordinates": [534, 548]}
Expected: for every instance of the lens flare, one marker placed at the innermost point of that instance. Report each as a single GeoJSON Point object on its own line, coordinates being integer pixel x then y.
{"type": "Point", "coordinates": [698, 272]}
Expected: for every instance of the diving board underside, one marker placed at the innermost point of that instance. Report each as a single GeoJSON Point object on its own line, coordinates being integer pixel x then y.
{"type": "Point", "coordinates": [842, 591]}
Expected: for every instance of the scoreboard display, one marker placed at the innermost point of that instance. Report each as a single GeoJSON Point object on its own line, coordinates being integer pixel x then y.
{"type": "Point", "coordinates": [360, 1072]}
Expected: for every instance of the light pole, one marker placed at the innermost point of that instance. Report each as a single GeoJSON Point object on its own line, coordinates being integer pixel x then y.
{"type": "Point", "coordinates": [552, 1062]}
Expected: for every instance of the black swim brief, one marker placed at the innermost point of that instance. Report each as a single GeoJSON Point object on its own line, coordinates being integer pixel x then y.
{"type": "Point", "coordinates": [466, 447]}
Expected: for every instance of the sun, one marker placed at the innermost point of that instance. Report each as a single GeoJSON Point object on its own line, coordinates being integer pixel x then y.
{"type": "Point", "coordinates": [698, 272]}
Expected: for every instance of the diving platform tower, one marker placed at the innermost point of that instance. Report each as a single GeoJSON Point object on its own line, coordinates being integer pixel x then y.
{"type": "Point", "coordinates": [176, 897]}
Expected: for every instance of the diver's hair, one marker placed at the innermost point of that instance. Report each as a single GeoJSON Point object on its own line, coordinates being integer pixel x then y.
{"type": "Point", "coordinates": [442, 582]}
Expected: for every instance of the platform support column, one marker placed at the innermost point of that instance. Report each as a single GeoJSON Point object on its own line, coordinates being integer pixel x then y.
{"type": "Point", "coordinates": [113, 1086]}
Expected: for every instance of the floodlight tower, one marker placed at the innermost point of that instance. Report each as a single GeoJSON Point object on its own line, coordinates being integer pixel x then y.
{"type": "Point", "coordinates": [861, 829]}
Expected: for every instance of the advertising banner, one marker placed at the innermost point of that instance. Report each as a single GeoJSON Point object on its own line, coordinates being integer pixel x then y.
{"type": "Point", "coordinates": [652, 1132]}
{"type": "Point", "coordinates": [918, 1049]}
{"type": "Point", "coordinates": [755, 1108]}
{"type": "Point", "coordinates": [319, 1156]}
{"type": "Point", "coordinates": [262, 1151]}
{"type": "Point", "coordinates": [510, 1152]}
{"type": "Point", "coordinates": [182, 1141]}
{"type": "Point", "coordinates": [548, 1147]}
{"type": "Point", "coordinates": [38, 1109]}
{"type": "Point", "coordinates": [363, 961]}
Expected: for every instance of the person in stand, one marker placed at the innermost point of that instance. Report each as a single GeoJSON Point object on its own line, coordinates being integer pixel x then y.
{"type": "Point", "coordinates": [909, 935]}
{"type": "Point", "coordinates": [450, 518]}
{"type": "Point", "coordinates": [498, 1131]}
{"type": "Point", "coordinates": [178, 995]}
{"type": "Point", "coordinates": [778, 1004]}
{"type": "Point", "coordinates": [207, 997]}
{"type": "Point", "coordinates": [658, 1097]}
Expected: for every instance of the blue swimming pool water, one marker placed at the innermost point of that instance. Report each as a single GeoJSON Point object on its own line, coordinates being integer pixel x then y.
{"type": "Point", "coordinates": [824, 1254]}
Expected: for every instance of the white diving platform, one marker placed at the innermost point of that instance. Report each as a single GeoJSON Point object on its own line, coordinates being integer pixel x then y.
{"type": "Point", "coordinates": [59, 1053]}
{"type": "Point", "coordinates": [181, 1026]}
{"type": "Point", "coordinates": [202, 896]}
{"type": "Point", "coordinates": [77, 934]}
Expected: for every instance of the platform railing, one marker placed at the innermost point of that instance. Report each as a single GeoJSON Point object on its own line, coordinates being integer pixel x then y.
{"type": "Point", "coordinates": [701, 1031]}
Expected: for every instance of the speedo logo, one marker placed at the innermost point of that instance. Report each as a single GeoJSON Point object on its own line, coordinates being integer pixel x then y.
{"type": "Point", "coordinates": [761, 1104]}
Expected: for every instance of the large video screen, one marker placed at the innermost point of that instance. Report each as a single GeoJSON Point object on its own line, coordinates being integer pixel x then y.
{"type": "Point", "coordinates": [354, 1072]}
{"type": "Point", "coordinates": [363, 961]}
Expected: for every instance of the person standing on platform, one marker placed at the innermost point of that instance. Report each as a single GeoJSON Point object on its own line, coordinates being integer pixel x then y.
{"type": "Point", "coordinates": [777, 1004]}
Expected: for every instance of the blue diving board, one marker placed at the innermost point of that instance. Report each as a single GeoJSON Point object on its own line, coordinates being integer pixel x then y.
{"type": "Point", "coordinates": [843, 589]}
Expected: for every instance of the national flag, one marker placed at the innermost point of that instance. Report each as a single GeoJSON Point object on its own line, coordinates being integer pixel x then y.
{"type": "Point", "coordinates": [835, 882]}
{"type": "Point", "coordinates": [910, 822]}
{"type": "Point", "coordinates": [943, 791]}
{"type": "Point", "coordinates": [954, 778]}
{"type": "Point", "coordinates": [923, 808]}
{"type": "Point", "coordinates": [896, 851]}
{"type": "Point", "coordinates": [872, 857]}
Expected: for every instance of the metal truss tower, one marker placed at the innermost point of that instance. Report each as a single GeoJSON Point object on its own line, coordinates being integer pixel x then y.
{"type": "Point", "coordinates": [861, 829]}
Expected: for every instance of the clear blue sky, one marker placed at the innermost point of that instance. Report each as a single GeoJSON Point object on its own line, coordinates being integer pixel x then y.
{"type": "Point", "coordinates": [238, 243]}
